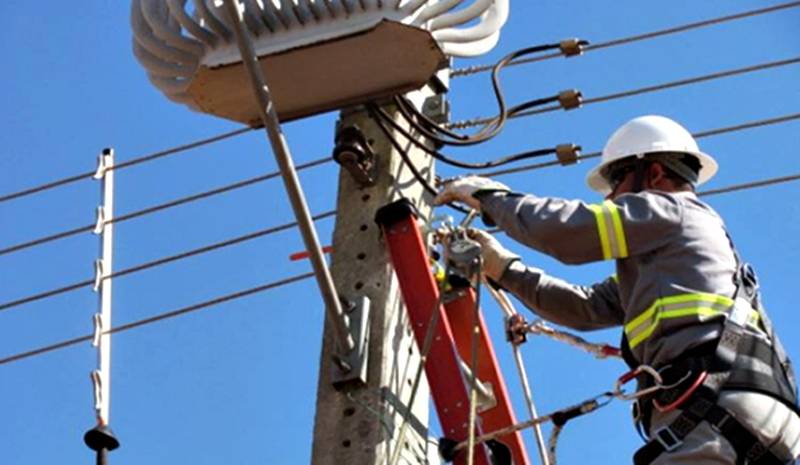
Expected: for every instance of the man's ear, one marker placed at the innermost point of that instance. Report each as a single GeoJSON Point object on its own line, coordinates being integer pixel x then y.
{"type": "Point", "coordinates": [656, 175]}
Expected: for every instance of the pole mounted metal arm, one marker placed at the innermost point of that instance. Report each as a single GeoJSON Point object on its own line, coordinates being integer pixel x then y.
{"type": "Point", "coordinates": [269, 118]}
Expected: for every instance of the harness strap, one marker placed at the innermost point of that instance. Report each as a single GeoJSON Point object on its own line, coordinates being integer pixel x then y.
{"type": "Point", "coordinates": [703, 407]}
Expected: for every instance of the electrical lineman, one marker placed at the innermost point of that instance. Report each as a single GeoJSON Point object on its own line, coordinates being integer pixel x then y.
{"type": "Point", "coordinates": [688, 305]}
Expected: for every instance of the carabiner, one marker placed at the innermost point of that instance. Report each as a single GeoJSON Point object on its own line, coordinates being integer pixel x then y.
{"type": "Point", "coordinates": [619, 393]}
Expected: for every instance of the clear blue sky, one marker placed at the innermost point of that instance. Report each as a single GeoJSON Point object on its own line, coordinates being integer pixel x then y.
{"type": "Point", "coordinates": [237, 383]}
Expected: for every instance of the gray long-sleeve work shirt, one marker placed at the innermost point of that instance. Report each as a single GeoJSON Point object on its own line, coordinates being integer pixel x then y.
{"type": "Point", "coordinates": [674, 266]}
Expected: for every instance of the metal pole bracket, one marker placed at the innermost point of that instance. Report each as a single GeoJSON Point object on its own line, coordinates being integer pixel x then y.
{"type": "Point", "coordinates": [350, 369]}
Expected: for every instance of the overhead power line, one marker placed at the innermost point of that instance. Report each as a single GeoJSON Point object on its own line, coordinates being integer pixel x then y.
{"type": "Point", "coordinates": [636, 38]}
{"type": "Point", "coordinates": [639, 91]}
{"type": "Point", "coordinates": [156, 208]}
{"type": "Point", "coordinates": [125, 164]}
{"type": "Point", "coordinates": [237, 295]}
{"type": "Point", "coordinates": [159, 262]}
{"type": "Point", "coordinates": [160, 317]}
{"type": "Point", "coordinates": [696, 135]}
{"type": "Point", "coordinates": [247, 182]}
{"type": "Point", "coordinates": [751, 185]}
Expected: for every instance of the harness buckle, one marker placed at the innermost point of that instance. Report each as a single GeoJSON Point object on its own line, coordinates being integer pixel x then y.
{"type": "Point", "coordinates": [667, 438]}
{"type": "Point", "coordinates": [719, 424]}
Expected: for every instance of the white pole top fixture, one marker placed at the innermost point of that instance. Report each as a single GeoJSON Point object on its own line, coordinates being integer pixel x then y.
{"type": "Point", "coordinates": [317, 55]}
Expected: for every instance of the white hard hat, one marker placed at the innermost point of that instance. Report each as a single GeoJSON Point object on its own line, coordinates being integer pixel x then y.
{"type": "Point", "coordinates": [644, 135]}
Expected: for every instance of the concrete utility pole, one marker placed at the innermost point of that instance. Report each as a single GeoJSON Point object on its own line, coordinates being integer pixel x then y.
{"type": "Point", "coordinates": [361, 426]}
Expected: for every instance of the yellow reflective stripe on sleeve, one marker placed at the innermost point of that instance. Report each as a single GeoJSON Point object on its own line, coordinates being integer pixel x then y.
{"type": "Point", "coordinates": [609, 228]}
{"type": "Point", "coordinates": [618, 232]}
{"type": "Point", "coordinates": [700, 305]}
{"type": "Point", "coordinates": [600, 218]}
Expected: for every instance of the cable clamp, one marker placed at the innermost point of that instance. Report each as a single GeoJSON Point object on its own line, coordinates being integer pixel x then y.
{"type": "Point", "coordinates": [104, 163]}
{"type": "Point", "coordinates": [99, 326]}
{"type": "Point", "coordinates": [570, 99]}
{"type": "Point", "coordinates": [100, 223]}
{"type": "Point", "coordinates": [572, 47]}
{"type": "Point", "coordinates": [516, 329]}
{"type": "Point", "coordinates": [97, 384]}
{"type": "Point", "coordinates": [568, 153]}
{"type": "Point", "coordinates": [99, 274]}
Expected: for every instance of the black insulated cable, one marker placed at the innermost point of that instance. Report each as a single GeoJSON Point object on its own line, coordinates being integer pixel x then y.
{"type": "Point", "coordinates": [493, 126]}
{"type": "Point", "coordinates": [380, 114]}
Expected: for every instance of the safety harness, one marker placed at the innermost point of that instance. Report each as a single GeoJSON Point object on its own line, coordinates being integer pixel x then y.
{"type": "Point", "coordinates": [739, 360]}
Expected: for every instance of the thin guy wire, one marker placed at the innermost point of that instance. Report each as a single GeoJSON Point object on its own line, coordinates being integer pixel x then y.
{"type": "Point", "coordinates": [696, 135]}
{"type": "Point", "coordinates": [67, 343]}
{"type": "Point", "coordinates": [134, 161]}
{"type": "Point", "coordinates": [157, 208]}
{"type": "Point", "coordinates": [642, 90]}
{"type": "Point", "coordinates": [157, 318]}
{"type": "Point", "coordinates": [161, 261]}
{"type": "Point", "coordinates": [635, 38]}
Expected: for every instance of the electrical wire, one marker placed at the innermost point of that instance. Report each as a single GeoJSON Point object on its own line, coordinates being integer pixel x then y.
{"type": "Point", "coordinates": [696, 135]}
{"type": "Point", "coordinates": [158, 317]}
{"type": "Point", "coordinates": [156, 208]}
{"type": "Point", "coordinates": [272, 230]}
{"type": "Point", "coordinates": [380, 114]}
{"type": "Point", "coordinates": [751, 185]}
{"type": "Point", "coordinates": [160, 261]}
{"type": "Point", "coordinates": [70, 342]}
{"type": "Point", "coordinates": [372, 109]}
{"type": "Point", "coordinates": [638, 37]}
{"type": "Point", "coordinates": [125, 164]}
{"type": "Point", "coordinates": [492, 126]}
{"type": "Point", "coordinates": [639, 91]}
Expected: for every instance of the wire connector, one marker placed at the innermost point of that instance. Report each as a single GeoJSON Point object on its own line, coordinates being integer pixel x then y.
{"type": "Point", "coordinates": [568, 153]}
{"type": "Point", "coordinates": [570, 99]}
{"type": "Point", "coordinates": [572, 47]}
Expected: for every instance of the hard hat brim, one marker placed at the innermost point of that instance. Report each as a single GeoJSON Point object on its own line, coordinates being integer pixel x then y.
{"type": "Point", "coordinates": [596, 181]}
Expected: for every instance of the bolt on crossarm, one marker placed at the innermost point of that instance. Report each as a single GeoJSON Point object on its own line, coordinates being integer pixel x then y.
{"type": "Point", "coordinates": [269, 118]}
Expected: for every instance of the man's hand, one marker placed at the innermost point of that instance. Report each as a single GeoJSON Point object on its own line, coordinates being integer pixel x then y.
{"type": "Point", "coordinates": [463, 190]}
{"type": "Point", "coordinates": [496, 258]}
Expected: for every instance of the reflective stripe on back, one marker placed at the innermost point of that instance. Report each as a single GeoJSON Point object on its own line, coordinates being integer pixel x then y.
{"type": "Point", "coordinates": [702, 306]}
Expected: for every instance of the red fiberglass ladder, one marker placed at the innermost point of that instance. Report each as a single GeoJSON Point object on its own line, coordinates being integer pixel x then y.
{"type": "Point", "coordinates": [451, 343]}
